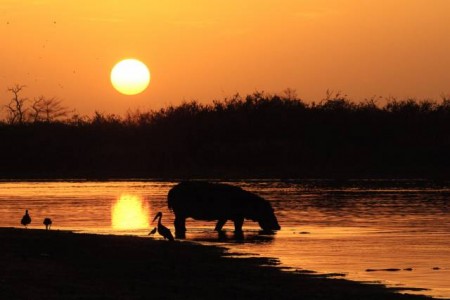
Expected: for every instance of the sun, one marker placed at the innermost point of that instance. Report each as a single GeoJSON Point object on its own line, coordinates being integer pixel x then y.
{"type": "Point", "coordinates": [130, 76]}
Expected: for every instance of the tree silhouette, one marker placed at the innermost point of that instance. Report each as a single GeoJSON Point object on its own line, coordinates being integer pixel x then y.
{"type": "Point", "coordinates": [16, 107]}
{"type": "Point", "coordinates": [47, 110]}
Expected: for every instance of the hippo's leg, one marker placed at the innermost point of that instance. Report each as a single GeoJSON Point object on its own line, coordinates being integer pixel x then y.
{"type": "Point", "coordinates": [238, 222]}
{"type": "Point", "coordinates": [220, 224]}
{"type": "Point", "coordinates": [180, 227]}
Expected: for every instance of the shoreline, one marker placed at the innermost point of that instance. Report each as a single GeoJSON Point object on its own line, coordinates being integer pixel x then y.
{"type": "Point", "coordinates": [55, 264]}
{"type": "Point", "coordinates": [231, 178]}
{"type": "Point", "coordinates": [423, 182]}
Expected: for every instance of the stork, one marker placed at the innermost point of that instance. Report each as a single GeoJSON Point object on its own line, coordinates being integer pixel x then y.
{"type": "Point", "coordinates": [163, 230]}
{"type": "Point", "coordinates": [26, 219]}
{"type": "Point", "coordinates": [48, 223]}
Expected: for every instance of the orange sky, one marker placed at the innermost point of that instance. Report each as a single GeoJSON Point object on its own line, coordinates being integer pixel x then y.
{"type": "Point", "coordinates": [208, 49]}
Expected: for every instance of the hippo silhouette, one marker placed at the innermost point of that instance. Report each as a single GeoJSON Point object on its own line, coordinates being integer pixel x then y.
{"type": "Point", "coordinates": [222, 202]}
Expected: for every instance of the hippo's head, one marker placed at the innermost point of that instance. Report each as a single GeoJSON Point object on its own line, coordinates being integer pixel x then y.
{"type": "Point", "coordinates": [267, 219]}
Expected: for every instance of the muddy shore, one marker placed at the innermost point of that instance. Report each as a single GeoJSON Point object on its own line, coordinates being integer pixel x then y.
{"type": "Point", "coordinates": [38, 264]}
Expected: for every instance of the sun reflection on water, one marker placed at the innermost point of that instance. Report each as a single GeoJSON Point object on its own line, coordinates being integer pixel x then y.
{"type": "Point", "coordinates": [130, 212]}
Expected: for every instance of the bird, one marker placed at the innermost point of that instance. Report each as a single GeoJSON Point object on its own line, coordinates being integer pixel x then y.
{"type": "Point", "coordinates": [163, 230]}
{"type": "Point", "coordinates": [26, 219]}
{"type": "Point", "coordinates": [48, 223]}
{"type": "Point", "coordinates": [153, 231]}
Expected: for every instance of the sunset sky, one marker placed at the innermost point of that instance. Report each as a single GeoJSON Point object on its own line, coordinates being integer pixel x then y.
{"type": "Point", "coordinates": [208, 49]}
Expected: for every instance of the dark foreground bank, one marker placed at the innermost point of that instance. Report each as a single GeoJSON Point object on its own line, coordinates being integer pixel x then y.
{"type": "Point", "coordinates": [37, 264]}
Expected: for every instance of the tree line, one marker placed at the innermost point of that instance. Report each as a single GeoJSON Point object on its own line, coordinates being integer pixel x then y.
{"type": "Point", "coordinates": [260, 135]}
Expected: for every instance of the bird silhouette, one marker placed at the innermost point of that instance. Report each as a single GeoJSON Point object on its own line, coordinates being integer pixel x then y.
{"type": "Point", "coordinates": [48, 223]}
{"type": "Point", "coordinates": [26, 219]}
{"type": "Point", "coordinates": [163, 230]}
{"type": "Point", "coordinates": [153, 231]}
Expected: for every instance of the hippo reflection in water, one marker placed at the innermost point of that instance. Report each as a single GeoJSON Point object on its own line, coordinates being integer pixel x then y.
{"type": "Point", "coordinates": [222, 202]}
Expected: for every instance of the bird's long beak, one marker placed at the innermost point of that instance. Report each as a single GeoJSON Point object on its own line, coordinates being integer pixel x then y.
{"type": "Point", "coordinates": [156, 217]}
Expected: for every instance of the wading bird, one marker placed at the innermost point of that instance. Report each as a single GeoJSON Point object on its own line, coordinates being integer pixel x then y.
{"type": "Point", "coordinates": [48, 223]}
{"type": "Point", "coordinates": [153, 231]}
{"type": "Point", "coordinates": [163, 230]}
{"type": "Point", "coordinates": [26, 219]}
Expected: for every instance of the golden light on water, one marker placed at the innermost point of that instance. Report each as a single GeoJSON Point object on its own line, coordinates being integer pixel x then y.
{"type": "Point", "coordinates": [130, 212]}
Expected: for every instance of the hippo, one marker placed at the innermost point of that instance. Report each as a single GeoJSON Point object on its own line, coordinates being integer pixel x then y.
{"type": "Point", "coordinates": [221, 202]}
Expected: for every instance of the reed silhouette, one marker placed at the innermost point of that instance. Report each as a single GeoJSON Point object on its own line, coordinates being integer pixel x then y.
{"type": "Point", "coordinates": [260, 135]}
{"type": "Point", "coordinates": [163, 230]}
{"type": "Point", "coordinates": [221, 202]}
{"type": "Point", "coordinates": [26, 219]}
{"type": "Point", "coordinates": [48, 223]}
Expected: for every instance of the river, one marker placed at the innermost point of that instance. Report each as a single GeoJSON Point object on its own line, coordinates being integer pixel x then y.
{"type": "Point", "coordinates": [393, 232]}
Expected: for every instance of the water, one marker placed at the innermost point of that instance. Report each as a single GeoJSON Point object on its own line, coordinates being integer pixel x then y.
{"type": "Point", "coordinates": [346, 228]}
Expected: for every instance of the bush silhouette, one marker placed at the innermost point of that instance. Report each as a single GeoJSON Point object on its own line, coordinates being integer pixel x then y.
{"type": "Point", "coordinates": [259, 135]}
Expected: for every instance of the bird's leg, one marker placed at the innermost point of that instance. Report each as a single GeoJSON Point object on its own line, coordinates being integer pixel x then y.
{"type": "Point", "coordinates": [180, 227]}
{"type": "Point", "coordinates": [220, 224]}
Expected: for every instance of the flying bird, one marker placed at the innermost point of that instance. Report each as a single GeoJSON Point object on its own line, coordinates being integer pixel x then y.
{"type": "Point", "coordinates": [48, 223]}
{"type": "Point", "coordinates": [163, 230]}
{"type": "Point", "coordinates": [153, 231]}
{"type": "Point", "coordinates": [26, 219]}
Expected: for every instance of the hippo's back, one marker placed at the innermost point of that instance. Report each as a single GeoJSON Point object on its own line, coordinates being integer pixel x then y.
{"type": "Point", "coordinates": [210, 201]}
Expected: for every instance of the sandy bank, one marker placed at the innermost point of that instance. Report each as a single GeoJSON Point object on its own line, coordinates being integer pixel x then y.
{"type": "Point", "coordinates": [35, 264]}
